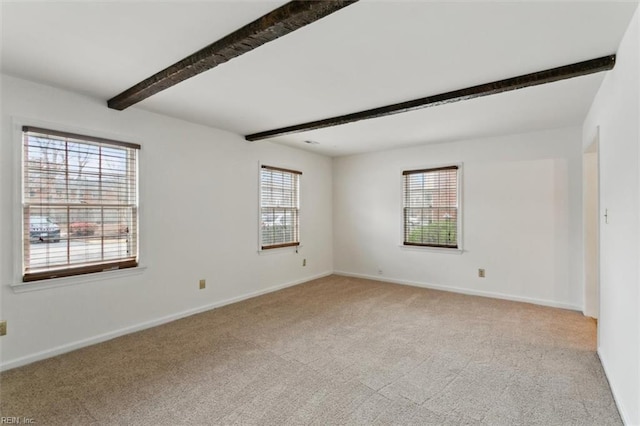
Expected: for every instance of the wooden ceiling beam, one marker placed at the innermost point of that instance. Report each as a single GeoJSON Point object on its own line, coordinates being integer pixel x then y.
{"type": "Point", "coordinates": [275, 24]}
{"type": "Point", "coordinates": [527, 80]}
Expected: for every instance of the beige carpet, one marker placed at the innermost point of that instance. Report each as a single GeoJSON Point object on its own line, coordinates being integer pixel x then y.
{"type": "Point", "coordinates": [332, 351]}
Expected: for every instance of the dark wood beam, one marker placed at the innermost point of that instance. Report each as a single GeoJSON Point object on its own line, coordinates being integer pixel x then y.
{"type": "Point", "coordinates": [541, 77]}
{"type": "Point", "coordinates": [275, 24]}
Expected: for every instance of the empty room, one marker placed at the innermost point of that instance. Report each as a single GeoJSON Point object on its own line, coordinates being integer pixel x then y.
{"type": "Point", "coordinates": [320, 212]}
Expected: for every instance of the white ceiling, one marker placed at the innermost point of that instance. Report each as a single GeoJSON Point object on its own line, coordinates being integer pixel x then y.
{"type": "Point", "coordinates": [369, 54]}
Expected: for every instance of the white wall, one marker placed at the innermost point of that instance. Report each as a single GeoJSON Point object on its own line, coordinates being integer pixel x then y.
{"type": "Point", "coordinates": [590, 217]}
{"type": "Point", "coordinates": [522, 217]}
{"type": "Point", "coordinates": [616, 109]}
{"type": "Point", "coordinates": [199, 219]}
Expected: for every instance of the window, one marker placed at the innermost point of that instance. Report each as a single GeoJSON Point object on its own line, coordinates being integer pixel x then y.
{"type": "Point", "coordinates": [79, 204]}
{"type": "Point", "coordinates": [279, 207]}
{"type": "Point", "coordinates": [431, 211]}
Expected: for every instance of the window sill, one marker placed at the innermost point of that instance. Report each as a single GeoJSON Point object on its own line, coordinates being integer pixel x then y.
{"type": "Point", "coordinates": [441, 250]}
{"type": "Point", "coordinates": [295, 249]}
{"type": "Point", "coordinates": [78, 279]}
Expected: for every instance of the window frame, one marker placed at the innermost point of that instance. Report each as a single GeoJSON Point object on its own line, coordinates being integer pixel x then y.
{"type": "Point", "coordinates": [296, 244]}
{"type": "Point", "coordinates": [460, 204]}
{"type": "Point", "coordinates": [72, 274]}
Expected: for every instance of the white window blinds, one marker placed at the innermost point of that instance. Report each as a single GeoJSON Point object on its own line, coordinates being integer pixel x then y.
{"type": "Point", "coordinates": [279, 207]}
{"type": "Point", "coordinates": [80, 204]}
{"type": "Point", "coordinates": [431, 207]}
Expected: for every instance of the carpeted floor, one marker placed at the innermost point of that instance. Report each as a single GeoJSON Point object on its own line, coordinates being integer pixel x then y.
{"type": "Point", "coordinates": [332, 351]}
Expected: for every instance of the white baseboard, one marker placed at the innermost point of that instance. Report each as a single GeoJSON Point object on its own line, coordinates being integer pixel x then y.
{"type": "Point", "coordinates": [147, 324]}
{"type": "Point", "coordinates": [621, 410]}
{"type": "Point", "coordinates": [463, 290]}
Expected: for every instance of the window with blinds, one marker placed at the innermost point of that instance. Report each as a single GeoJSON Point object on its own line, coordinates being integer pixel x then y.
{"type": "Point", "coordinates": [431, 207]}
{"type": "Point", "coordinates": [279, 207]}
{"type": "Point", "coordinates": [80, 204]}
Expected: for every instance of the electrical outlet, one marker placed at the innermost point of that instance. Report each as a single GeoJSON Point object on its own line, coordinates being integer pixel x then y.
{"type": "Point", "coordinates": [3, 328]}
{"type": "Point", "coordinates": [203, 284]}
{"type": "Point", "coordinates": [481, 273]}
{"type": "Point", "coordinates": [304, 262]}
{"type": "Point", "coordinates": [379, 271]}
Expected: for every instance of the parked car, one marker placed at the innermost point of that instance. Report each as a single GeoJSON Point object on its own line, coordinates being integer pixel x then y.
{"type": "Point", "coordinates": [271, 219]}
{"type": "Point", "coordinates": [42, 229]}
{"type": "Point", "coordinates": [82, 229]}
